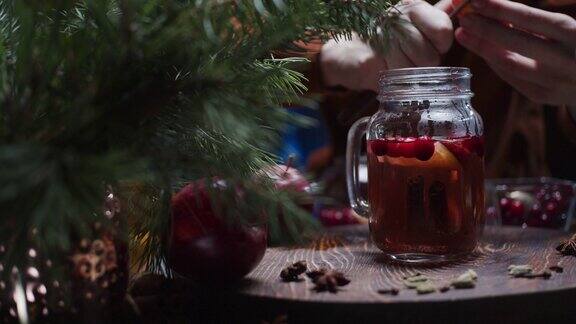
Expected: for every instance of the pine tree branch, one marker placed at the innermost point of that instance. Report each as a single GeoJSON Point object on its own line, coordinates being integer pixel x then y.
{"type": "Point", "coordinates": [160, 92]}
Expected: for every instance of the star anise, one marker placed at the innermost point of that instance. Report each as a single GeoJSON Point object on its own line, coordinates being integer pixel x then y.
{"type": "Point", "coordinates": [293, 271]}
{"type": "Point", "coordinates": [568, 247]}
{"type": "Point", "coordinates": [327, 280]}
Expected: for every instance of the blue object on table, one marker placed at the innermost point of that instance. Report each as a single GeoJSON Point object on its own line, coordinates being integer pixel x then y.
{"type": "Point", "coordinates": [300, 141]}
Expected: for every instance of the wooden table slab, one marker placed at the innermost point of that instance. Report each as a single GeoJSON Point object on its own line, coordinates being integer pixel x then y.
{"type": "Point", "coordinates": [496, 296]}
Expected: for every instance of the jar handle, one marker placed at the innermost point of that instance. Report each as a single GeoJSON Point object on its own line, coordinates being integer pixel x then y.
{"type": "Point", "coordinates": [353, 147]}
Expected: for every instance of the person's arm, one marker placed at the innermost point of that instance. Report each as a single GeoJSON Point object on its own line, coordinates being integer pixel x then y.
{"type": "Point", "coordinates": [533, 50]}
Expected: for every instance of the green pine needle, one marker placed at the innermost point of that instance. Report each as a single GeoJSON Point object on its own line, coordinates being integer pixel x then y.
{"type": "Point", "coordinates": [96, 93]}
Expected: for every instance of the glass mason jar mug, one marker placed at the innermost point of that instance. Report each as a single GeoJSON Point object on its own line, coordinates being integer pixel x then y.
{"type": "Point", "coordinates": [425, 152]}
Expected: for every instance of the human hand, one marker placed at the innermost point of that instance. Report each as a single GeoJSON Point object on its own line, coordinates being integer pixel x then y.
{"type": "Point", "coordinates": [421, 42]}
{"type": "Point", "coordinates": [531, 49]}
{"type": "Point", "coordinates": [350, 63]}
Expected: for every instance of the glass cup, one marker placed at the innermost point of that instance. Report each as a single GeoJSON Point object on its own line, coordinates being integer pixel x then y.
{"type": "Point", "coordinates": [531, 202]}
{"type": "Point", "coordinates": [425, 151]}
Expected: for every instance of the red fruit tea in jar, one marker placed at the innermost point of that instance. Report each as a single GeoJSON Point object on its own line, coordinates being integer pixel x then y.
{"type": "Point", "coordinates": [427, 196]}
{"type": "Point", "coordinates": [425, 201]}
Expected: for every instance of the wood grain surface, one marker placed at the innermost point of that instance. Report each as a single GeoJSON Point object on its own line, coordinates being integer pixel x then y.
{"type": "Point", "coordinates": [263, 298]}
{"type": "Point", "coordinates": [350, 252]}
{"type": "Point", "coordinates": [497, 296]}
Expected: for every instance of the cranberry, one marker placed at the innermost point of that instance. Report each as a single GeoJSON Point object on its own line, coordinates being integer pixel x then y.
{"type": "Point", "coordinates": [557, 195]}
{"type": "Point", "coordinates": [424, 148]}
{"type": "Point", "coordinates": [378, 147]}
{"type": "Point", "coordinates": [474, 144]}
{"type": "Point", "coordinates": [421, 148]}
{"type": "Point", "coordinates": [463, 147]}
{"type": "Point", "coordinates": [553, 200]}
{"type": "Point", "coordinates": [552, 208]}
{"type": "Point", "coordinates": [542, 217]}
{"type": "Point", "coordinates": [337, 216]}
{"type": "Point", "coordinates": [505, 204]}
{"type": "Point", "coordinates": [407, 149]}
{"type": "Point", "coordinates": [516, 209]}
{"type": "Point", "coordinates": [458, 150]}
{"type": "Point", "coordinates": [512, 211]}
{"type": "Point", "coordinates": [330, 217]}
{"type": "Point", "coordinates": [394, 149]}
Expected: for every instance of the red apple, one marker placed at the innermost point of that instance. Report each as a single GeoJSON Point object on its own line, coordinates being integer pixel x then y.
{"type": "Point", "coordinates": [290, 179]}
{"type": "Point", "coordinates": [204, 247]}
{"type": "Point", "coordinates": [287, 178]}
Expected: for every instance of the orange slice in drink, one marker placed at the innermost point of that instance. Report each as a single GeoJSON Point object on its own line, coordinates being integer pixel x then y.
{"type": "Point", "coordinates": [441, 159]}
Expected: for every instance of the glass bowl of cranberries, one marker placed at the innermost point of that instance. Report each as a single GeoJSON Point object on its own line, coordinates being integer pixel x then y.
{"type": "Point", "coordinates": [531, 202]}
